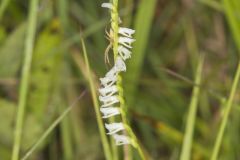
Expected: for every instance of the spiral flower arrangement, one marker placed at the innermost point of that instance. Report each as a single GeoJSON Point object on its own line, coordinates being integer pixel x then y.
{"type": "Point", "coordinates": [111, 92]}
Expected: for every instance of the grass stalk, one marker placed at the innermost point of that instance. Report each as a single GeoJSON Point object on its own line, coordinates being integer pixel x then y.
{"type": "Point", "coordinates": [32, 21]}
{"type": "Point", "coordinates": [106, 146]}
{"type": "Point", "coordinates": [188, 137]}
{"type": "Point", "coordinates": [145, 12]}
{"type": "Point", "coordinates": [51, 127]}
{"type": "Point", "coordinates": [212, 4]}
{"type": "Point", "coordinates": [63, 13]}
{"type": "Point", "coordinates": [230, 10]}
{"type": "Point", "coordinates": [66, 138]}
{"type": "Point", "coordinates": [114, 25]}
{"type": "Point", "coordinates": [3, 7]}
{"type": "Point", "coordinates": [227, 110]}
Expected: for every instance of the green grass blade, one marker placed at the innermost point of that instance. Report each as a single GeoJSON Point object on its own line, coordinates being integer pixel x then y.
{"type": "Point", "coordinates": [231, 9]}
{"type": "Point", "coordinates": [106, 146]}
{"type": "Point", "coordinates": [63, 14]}
{"type": "Point", "coordinates": [3, 7]}
{"type": "Point", "coordinates": [32, 21]}
{"type": "Point", "coordinates": [212, 4]}
{"type": "Point", "coordinates": [188, 137]}
{"type": "Point", "coordinates": [51, 128]}
{"type": "Point", "coordinates": [227, 110]}
{"type": "Point", "coordinates": [142, 26]}
{"type": "Point", "coordinates": [66, 138]}
{"type": "Point", "coordinates": [9, 52]}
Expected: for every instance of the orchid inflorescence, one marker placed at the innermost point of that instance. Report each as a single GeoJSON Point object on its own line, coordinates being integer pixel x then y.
{"type": "Point", "coordinates": [109, 91]}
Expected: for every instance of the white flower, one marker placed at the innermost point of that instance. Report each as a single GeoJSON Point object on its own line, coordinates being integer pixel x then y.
{"type": "Point", "coordinates": [107, 5]}
{"type": "Point", "coordinates": [114, 127]}
{"type": "Point", "coordinates": [108, 101]}
{"type": "Point", "coordinates": [109, 111]}
{"type": "Point", "coordinates": [119, 20]}
{"type": "Point", "coordinates": [124, 52]}
{"type": "Point", "coordinates": [126, 31]}
{"type": "Point", "coordinates": [108, 81]}
{"type": "Point", "coordinates": [120, 64]}
{"type": "Point", "coordinates": [126, 41]}
{"type": "Point", "coordinates": [121, 139]}
{"type": "Point", "coordinates": [108, 91]}
{"type": "Point", "coordinates": [112, 72]}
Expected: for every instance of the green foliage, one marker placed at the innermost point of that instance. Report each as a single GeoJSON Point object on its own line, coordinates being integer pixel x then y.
{"type": "Point", "coordinates": [142, 26]}
{"type": "Point", "coordinates": [43, 72]}
{"type": "Point", "coordinates": [12, 45]}
{"type": "Point", "coordinates": [170, 38]}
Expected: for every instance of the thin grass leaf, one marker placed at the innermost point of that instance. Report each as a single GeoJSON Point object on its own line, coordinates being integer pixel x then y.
{"type": "Point", "coordinates": [66, 137]}
{"type": "Point", "coordinates": [51, 127]}
{"type": "Point", "coordinates": [142, 26]}
{"type": "Point", "coordinates": [227, 110]}
{"type": "Point", "coordinates": [3, 7]}
{"type": "Point", "coordinates": [106, 146]}
{"type": "Point", "coordinates": [9, 52]}
{"type": "Point", "coordinates": [212, 4]}
{"type": "Point", "coordinates": [232, 9]}
{"type": "Point", "coordinates": [32, 22]}
{"type": "Point", "coordinates": [188, 136]}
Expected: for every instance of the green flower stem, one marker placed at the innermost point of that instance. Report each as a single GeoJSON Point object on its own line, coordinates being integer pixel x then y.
{"type": "Point", "coordinates": [114, 25]}
{"type": "Point", "coordinates": [32, 21]}
{"type": "Point", "coordinates": [227, 110]}
{"type": "Point", "coordinates": [135, 142]}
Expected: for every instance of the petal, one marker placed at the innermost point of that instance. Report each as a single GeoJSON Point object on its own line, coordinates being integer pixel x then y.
{"type": "Point", "coordinates": [112, 72]}
{"type": "Point", "coordinates": [109, 111]}
{"type": "Point", "coordinates": [124, 52]}
{"type": "Point", "coordinates": [114, 127]}
{"type": "Point", "coordinates": [126, 41]}
{"type": "Point", "coordinates": [120, 64]}
{"type": "Point", "coordinates": [126, 31]}
{"type": "Point", "coordinates": [107, 5]}
{"type": "Point", "coordinates": [109, 102]}
{"type": "Point", "coordinates": [107, 99]}
{"type": "Point", "coordinates": [107, 91]}
{"type": "Point", "coordinates": [121, 139]}
{"type": "Point", "coordinates": [108, 81]}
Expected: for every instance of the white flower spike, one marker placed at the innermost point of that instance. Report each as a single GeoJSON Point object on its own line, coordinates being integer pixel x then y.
{"type": "Point", "coordinates": [109, 111]}
{"type": "Point", "coordinates": [107, 5]}
{"type": "Point", "coordinates": [121, 139]}
{"type": "Point", "coordinates": [126, 41]}
{"type": "Point", "coordinates": [114, 127]}
{"type": "Point", "coordinates": [110, 87]}
{"type": "Point", "coordinates": [124, 52]}
{"type": "Point", "coordinates": [126, 31]}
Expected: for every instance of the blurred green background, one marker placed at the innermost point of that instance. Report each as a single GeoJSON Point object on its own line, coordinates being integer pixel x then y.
{"type": "Point", "coordinates": [171, 37]}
